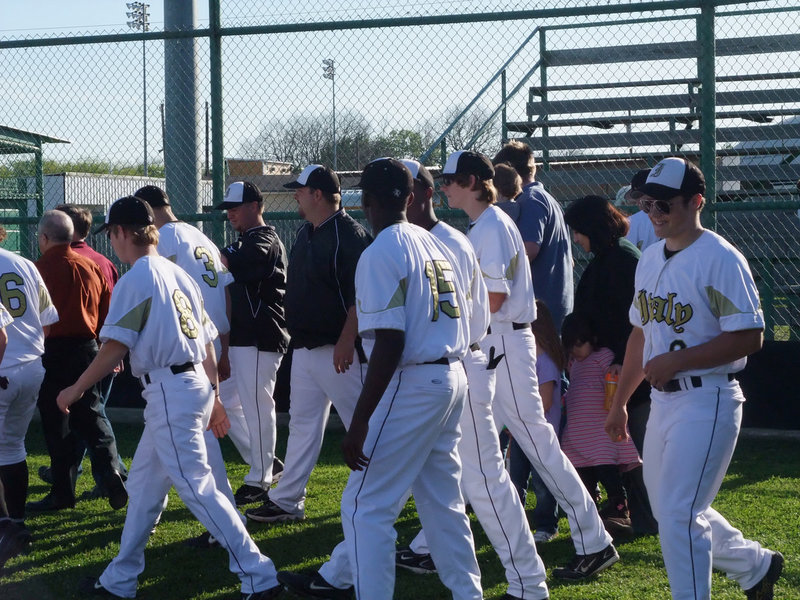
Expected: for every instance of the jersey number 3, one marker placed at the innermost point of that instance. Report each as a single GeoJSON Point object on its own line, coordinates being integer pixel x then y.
{"type": "Point", "coordinates": [434, 271]}
{"type": "Point", "coordinates": [185, 314]}
{"type": "Point", "coordinates": [203, 254]}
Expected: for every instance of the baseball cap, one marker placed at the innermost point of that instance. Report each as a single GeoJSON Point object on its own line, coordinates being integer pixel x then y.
{"type": "Point", "coordinates": [637, 181]}
{"type": "Point", "coordinates": [419, 172]}
{"type": "Point", "coordinates": [318, 177]}
{"type": "Point", "coordinates": [467, 162]}
{"type": "Point", "coordinates": [622, 195]}
{"type": "Point", "coordinates": [387, 178]}
{"type": "Point", "coordinates": [672, 177]}
{"type": "Point", "coordinates": [153, 195]}
{"type": "Point", "coordinates": [130, 210]}
{"type": "Point", "coordinates": [238, 193]}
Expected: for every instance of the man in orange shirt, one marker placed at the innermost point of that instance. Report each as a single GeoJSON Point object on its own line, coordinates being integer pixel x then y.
{"type": "Point", "coordinates": [81, 295]}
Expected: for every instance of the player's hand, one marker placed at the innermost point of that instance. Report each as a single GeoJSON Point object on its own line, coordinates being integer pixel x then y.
{"type": "Point", "coordinates": [218, 424]}
{"type": "Point", "coordinates": [67, 398]}
{"type": "Point", "coordinates": [353, 446]}
{"type": "Point", "coordinates": [660, 369]}
{"type": "Point", "coordinates": [343, 353]}
{"type": "Point", "coordinates": [614, 370]}
{"type": "Point", "coordinates": [120, 367]}
{"type": "Point", "coordinates": [616, 423]}
{"type": "Point", "coordinates": [224, 367]}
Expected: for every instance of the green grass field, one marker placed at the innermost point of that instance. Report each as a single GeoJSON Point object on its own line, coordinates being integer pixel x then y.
{"type": "Point", "coordinates": [761, 496]}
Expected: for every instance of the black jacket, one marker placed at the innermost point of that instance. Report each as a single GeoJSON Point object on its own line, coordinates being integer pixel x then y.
{"type": "Point", "coordinates": [321, 285]}
{"type": "Point", "coordinates": [257, 261]}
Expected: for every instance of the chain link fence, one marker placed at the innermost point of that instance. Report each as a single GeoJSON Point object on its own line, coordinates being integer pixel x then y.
{"type": "Point", "coordinates": [255, 91]}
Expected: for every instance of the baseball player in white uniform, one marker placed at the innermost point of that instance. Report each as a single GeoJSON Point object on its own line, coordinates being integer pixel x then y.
{"type": "Point", "coordinates": [404, 432]}
{"type": "Point", "coordinates": [467, 182]}
{"type": "Point", "coordinates": [696, 316]}
{"type": "Point", "coordinates": [193, 252]}
{"type": "Point", "coordinates": [328, 358]}
{"type": "Point", "coordinates": [24, 295]}
{"type": "Point", "coordinates": [640, 233]}
{"type": "Point", "coordinates": [157, 313]}
{"type": "Point", "coordinates": [484, 480]}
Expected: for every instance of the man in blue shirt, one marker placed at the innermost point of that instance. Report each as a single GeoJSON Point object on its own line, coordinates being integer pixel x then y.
{"type": "Point", "coordinates": [546, 237]}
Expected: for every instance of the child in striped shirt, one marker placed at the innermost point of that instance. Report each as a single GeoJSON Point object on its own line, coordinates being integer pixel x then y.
{"type": "Point", "coordinates": [584, 440]}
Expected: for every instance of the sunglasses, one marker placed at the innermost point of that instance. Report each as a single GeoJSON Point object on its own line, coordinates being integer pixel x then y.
{"type": "Point", "coordinates": [662, 206]}
{"type": "Point", "coordinates": [448, 179]}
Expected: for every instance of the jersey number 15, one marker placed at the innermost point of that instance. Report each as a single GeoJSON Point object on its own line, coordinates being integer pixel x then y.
{"type": "Point", "coordinates": [435, 272]}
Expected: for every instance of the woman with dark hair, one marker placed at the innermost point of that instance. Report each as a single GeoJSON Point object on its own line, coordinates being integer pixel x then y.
{"type": "Point", "coordinates": [604, 294]}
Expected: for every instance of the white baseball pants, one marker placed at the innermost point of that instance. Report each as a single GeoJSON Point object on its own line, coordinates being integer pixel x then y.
{"type": "Point", "coordinates": [172, 452]}
{"type": "Point", "coordinates": [487, 487]}
{"type": "Point", "coordinates": [518, 406]}
{"type": "Point", "coordinates": [17, 404]}
{"type": "Point", "coordinates": [315, 385]}
{"type": "Point", "coordinates": [412, 444]}
{"type": "Point", "coordinates": [690, 439]}
{"type": "Point", "coordinates": [256, 373]}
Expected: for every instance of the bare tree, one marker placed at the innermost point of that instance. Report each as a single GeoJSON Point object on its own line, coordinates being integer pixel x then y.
{"type": "Point", "coordinates": [472, 125]}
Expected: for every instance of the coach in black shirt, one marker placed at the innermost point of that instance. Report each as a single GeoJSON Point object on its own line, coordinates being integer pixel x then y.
{"type": "Point", "coordinates": [258, 337]}
{"type": "Point", "coordinates": [328, 358]}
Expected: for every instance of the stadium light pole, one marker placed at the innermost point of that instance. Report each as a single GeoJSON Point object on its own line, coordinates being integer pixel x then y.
{"type": "Point", "coordinates": [329, 72]}
{"type": "Point", "coordinates": [138, 16]}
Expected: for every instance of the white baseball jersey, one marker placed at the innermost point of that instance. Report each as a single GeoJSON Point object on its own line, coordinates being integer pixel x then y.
{"type": "Point", "coordinates": [501, 254]}
{"type": "Point", "coordinates": [392, 292]}
{"type": "Point", "coordinates": [641, 233]}
{"type": "Point", "coordinates": [193, 252]}
{"type": "Point", "coordinates": [692, 297]}
{"type": "Point", "coordinates": [478, 298]}
{"type": "Point", "coordinates": [139, 322]}
{"type": "Point", "coordinates": [25, 295]}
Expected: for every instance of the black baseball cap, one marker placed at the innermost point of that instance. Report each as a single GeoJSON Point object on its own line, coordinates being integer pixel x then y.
{"type": "Point", "coordinates": [238, 193]}
{"type": "Point", "coordinates": [637, 181]}
{"type": "Point", "coordinates": [466, 162]}
{"type": "Point", "coordinates": [419, 172]}
{"type": "Point", "coordinates": [318, 177]}
{"type": "Point", "coordinates": [673, 177]}
{"type": "Point", "coordinates": [387, 178]}
{"type": "Point", "coordinates": [153, 195]}
{"type": "Point", "coordinates": [130, 210]}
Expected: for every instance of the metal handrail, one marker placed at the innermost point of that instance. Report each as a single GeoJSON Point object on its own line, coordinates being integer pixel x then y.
{"type": "Point", "coordinates": [427, 154]}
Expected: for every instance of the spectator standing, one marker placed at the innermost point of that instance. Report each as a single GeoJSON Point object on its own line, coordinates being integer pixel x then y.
{"type": "Point", "coordinates": [603, 294]}
{"type": "Point", "coordinates": [546, 239]}
{"type": "Point", "coordinates": [81, 296]}
{"type": "Point", "coordinates": [596, 458]}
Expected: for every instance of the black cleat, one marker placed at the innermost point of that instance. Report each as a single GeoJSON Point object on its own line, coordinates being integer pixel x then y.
{"type": "Point", "coordinates": [764, 589]}
{"type": "Point", "coordinates": [313, 585]}
{"type": "Point", "coordinates": [422, 564]}
{"type": "Point", "coordinates": [583, 566]}
{"type": "Point", "coordinates": [250, 494]}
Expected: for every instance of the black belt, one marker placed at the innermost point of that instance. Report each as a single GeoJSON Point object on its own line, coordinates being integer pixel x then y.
{"type": "Point", "coordinates": [475, 347]}
{"type": "Point", "coordinates": [514, 326]}
{"type": "Point", "coordinates": [438, 361]}
{"type": "Point", "coordinates": [674, 385]}
{"type": "Point", "coordinates": [176, 369]}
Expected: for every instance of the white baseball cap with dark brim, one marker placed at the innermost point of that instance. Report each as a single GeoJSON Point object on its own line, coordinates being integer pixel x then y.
{"type": "Point", "coordinates": [467, 162]}
{"type": "Point", "coordinates": [238, 193]}
{"type": "Point", "coordinates": [419, 172]}
{"type": "Point", "coordinates": [318, 177]}
{"type": "Point", "coordinates": [130, 210]}
{"type": "Point", "coordinates": [674, 177]}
